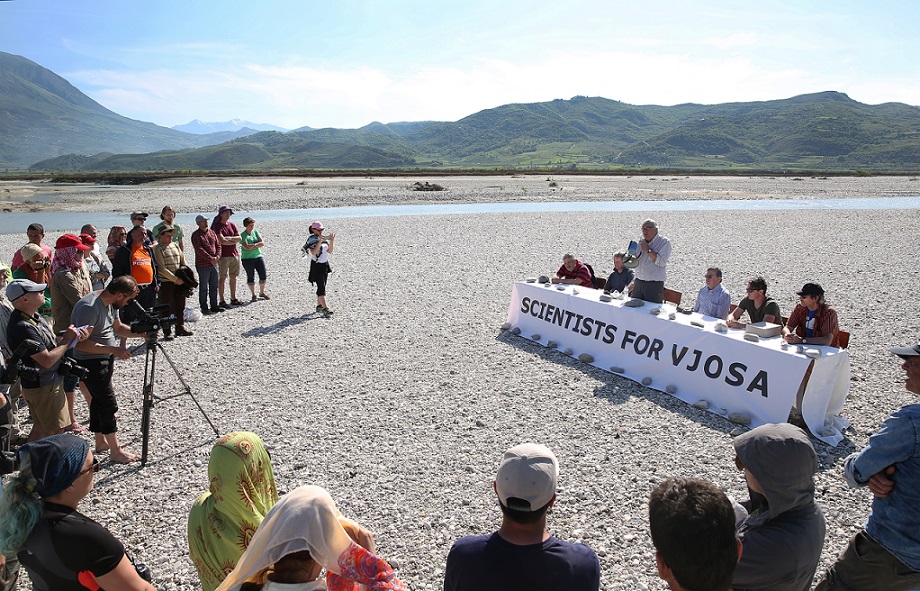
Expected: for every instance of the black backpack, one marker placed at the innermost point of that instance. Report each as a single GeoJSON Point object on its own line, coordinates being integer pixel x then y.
{"type": "Point", "coordinates": [594, 282]}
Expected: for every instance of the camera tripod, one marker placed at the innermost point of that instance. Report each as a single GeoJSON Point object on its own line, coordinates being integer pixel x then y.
{"type": "Point", "coordinates": [150, 363]}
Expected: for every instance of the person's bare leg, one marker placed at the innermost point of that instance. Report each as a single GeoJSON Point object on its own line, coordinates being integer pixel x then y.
{"type": "Point", "coordinates": [74, 426]}
{"type": "Point", "coordinates": [119, 455]}
{"type": "Point", "coordinates": [101, 444]}
{"type": "Point", "coordinates": [233, 287]}
{"type": "Point", "coordinates": [252, 288]}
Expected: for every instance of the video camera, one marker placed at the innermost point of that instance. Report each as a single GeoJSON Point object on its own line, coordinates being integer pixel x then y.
{"type": "Point", "coordinates": [15, 366]}
{"type": "Point", "coordinates": [152, 320]}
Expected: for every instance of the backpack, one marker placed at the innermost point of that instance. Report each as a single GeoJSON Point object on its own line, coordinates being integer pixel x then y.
{"type": "Point", "coordinates": [594, 282]}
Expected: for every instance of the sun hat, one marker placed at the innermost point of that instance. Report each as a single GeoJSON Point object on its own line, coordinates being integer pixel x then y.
{"type": "Point", "coordinates": [56, 462]}
{"type": "Point", "coordinates": [68, 240]}
{"type": "Point", "coordinates": [162, 229]}
{"type": "Point", "coordinates": [30, 250]}
{"type": "Point", "coordinates": [224, 208]}
{"type": "Point", "coordinates": [316, 226]}
{"type": "Point", "coordinates": [526, 478]}
{"type": "Point", "coordinates": [19, 287]}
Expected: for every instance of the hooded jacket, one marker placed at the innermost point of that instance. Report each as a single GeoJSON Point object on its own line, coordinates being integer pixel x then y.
{"type": "Point", "coordinates": [784, 532]}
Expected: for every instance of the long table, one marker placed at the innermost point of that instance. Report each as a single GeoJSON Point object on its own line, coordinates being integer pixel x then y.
{"type": "Point", "coordinates": [732, 376]}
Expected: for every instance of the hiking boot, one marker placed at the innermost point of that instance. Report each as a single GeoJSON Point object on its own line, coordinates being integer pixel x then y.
{"type": "Point", "coordinates": [327, 312]}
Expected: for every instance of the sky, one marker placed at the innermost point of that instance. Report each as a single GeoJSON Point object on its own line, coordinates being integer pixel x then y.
{"type": "Point", "coordinates": [347, 63]}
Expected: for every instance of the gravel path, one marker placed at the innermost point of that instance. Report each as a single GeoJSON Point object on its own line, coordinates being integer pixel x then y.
{"type": "Point", "coordinates": [402, 404]}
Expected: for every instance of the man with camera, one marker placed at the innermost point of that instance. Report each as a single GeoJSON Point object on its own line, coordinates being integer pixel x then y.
{"type": "Point", "coordinates": [98, 353]}
{"type": "Point", "coordinates": [40, 367]}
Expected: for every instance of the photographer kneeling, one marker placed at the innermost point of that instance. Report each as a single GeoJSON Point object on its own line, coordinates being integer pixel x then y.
{"type": "Point", "coordinates": [61, 548]}
{"type": "Point", "coordinates": [97, 354]}
{"type": "Point", "coordinates": [39, 374]}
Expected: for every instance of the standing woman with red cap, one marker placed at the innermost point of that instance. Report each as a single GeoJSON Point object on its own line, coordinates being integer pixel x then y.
{"type": "Point", "coordinates": [319, 248]}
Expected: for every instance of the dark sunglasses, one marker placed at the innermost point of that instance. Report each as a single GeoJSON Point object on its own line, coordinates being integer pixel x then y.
{"type": "Point", "coordinates": [94, 467]}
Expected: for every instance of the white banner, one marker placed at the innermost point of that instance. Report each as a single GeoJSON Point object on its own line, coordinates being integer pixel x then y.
{"type": "Point", "coordinates": [693, 363]}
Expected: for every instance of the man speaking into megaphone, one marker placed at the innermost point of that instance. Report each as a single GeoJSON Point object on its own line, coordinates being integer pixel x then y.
{"type": "Point", "coordinates": [651, 264]}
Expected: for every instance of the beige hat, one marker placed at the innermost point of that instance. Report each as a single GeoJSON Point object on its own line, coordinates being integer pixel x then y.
{"type": "Point", "coordinates": [30, 250]}
{"type": "Point", "coordinates": [526, 478]}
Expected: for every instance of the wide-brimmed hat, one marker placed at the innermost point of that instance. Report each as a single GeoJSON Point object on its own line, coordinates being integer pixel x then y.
{"type": "Point", "coordinates": [224, 208]}
{"type": "Point", "coordinates": [163, 228]}
{"type": "Point", "coordinates": [30, 250]}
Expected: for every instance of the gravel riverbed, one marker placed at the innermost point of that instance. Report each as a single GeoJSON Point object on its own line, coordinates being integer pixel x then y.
{"type": "Point", "coordinates": [402, 403]}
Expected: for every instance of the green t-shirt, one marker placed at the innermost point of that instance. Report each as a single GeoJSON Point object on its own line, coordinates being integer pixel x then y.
{"type": "Point", "coordinates": [178, 234]}
{"type": "Point", "coordinates": [248, 238]}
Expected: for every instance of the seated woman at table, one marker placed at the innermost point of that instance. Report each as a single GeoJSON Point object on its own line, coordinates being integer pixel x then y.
{"type": "Point", "coordinates": [302, 536]}
{"type": "Point", "coordinates": [222, 521]}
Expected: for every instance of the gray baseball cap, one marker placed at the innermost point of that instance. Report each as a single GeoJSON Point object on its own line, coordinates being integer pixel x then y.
{"type": "Point", "coordinates": [19, 287]}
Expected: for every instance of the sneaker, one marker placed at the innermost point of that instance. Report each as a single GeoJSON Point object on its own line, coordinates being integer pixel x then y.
{"type": "Point", "coordinates": [235, 302]}
{"type": "Point", "coordinates": [319, 308]}
{"type": "Point", "coordinates": [327, 312]}
{"type": "Point", "coordinates": [181, 332]}
{"type": "Point", "coordinates": [224, 305]}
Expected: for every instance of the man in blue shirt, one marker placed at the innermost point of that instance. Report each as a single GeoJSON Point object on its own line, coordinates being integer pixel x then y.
{"type": "Point", "coordinates": [886, 555]}
{"type": "Point", "coordinates": [713, 300]}
{"type": "Point", "coordinates": [522, 555]}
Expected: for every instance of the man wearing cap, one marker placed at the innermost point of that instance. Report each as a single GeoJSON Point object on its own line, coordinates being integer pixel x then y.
{"type": "Point", "coordinates": [172, 293]}
{"type": "Point", "coordinates": [207, 257]}
{"type": "Point", "coordinates": [713, 300]}
{"type": "Point", "coordinates": [135, 258]}
{"type": "Point", "coordinates": [522, 554]}
{"type": "Point", "coordinates": [692, 524]}
{"type": "Point", "coordinates": [783, 534]}
{"type": "Point", "coordinates": [229, 264]}
{"type": "Point", "coordinates": [651, 271]}
{"type": "Point", "coordinates": [44, 393]}
{"type": "Point", "coordinates": [812, 322]}
{"type": "Point", "coordinates": [96, 265]}
{"type": "Point", "coordinates": [35, 232]}
{"type": "Point", "coordinates": [98, 353]}
{"type": "Point", "coordinates": [885, 556]}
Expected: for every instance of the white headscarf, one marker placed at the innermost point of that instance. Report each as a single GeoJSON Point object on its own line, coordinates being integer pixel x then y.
{"type": "Point", "coordinates": [304, 519]}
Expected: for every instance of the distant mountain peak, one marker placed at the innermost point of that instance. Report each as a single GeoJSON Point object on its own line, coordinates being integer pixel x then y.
{"type": "Point", "coordinates": [200, 127]}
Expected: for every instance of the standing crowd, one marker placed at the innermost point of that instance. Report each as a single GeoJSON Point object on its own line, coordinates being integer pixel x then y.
{"type": "Point", "coordinates": [243, 536]}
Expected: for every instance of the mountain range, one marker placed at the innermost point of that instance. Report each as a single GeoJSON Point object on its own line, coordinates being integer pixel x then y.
{"type": "Point", "coordinates": [48, 125]}
{"type": "Point", "coordinates": [201, 127]}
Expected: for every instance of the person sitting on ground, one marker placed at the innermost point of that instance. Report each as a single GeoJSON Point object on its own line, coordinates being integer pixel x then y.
{"type": "Point", "coordinates": [36, 268]}
{"type": "Point", "coordinates": [303, 535]}
{"type": "Point", "coordinates": [812, 322]}
{"type": "Point", "coordinates": [713, 300]}
{"type": "Point", "coordinates": [522, 555]}
{"type": "Point", "coordinates": [118, 235]}
{"type": "Point", "coordinates": [573, 272]}
{"type": "Point", "coordinates": [173, 291]}
{"type": "Point", "coordinates": [783, 533]}
{"type": "Point", "coordinates": [61, 548]}
{"type": "Point", "coordinates": [221, 522]}
{"type": "Point", "coordinates": [621, 277]}
{"type": "Point", "coordinates": [759, 307]}
{"type": "Point", "coordinates": [693, 529]}
{"type": "Point", "coordinates": [35, 232]}
{"type": "Point", "coordinates": [885, 556]}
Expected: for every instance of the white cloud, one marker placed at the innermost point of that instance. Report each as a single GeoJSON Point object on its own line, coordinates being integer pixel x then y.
{"type": "Point", "coordinates": [734, 40]}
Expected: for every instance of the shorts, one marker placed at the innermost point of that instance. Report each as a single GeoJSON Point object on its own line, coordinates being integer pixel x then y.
{"type": "Point", "coordinates": [228, 266]}
{"type": "Point", "coordinates": [48, 406]}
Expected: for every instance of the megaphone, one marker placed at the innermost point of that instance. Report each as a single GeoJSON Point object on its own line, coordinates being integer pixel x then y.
{"type": "Point", "coordinates": [631, 260]}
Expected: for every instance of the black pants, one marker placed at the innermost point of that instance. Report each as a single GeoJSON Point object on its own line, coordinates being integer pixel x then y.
{"type": "Point", "coordinates": [650, 291]}
{"type": "Point", "coordinates": [174, 296]}
{"type": "Point", "coordinates": [98, 381]}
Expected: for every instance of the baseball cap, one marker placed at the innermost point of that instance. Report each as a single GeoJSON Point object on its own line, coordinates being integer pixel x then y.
{"type": "Point", "coordinates": [87, 239]}
{"type": "Point", "coordinates": [811, 289]}
{"type": "Point", "coordinates": [526, 478]}
{"type": "Point", "coordinates": [164, 228]}
{"type": "Point", "coordinates": [224, 208]}
{"type": "Point", "coordinates": [316, 226]}
{"type": "Point", "coordinates": [139, 214]}
{"type": "Point", "coordinates": [200, 218]}
{"type": "Point", "coordinates": [905, 352]}
{"type": "Point", "coordinates": [19, 287]}
{"type": "Point", "coordinates": [70, 240]}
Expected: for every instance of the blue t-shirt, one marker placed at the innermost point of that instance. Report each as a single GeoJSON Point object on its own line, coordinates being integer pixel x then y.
{"type": "Point", "coordinates": [810, 323]}
{"type": "Point", "coordinates": [490, 563]}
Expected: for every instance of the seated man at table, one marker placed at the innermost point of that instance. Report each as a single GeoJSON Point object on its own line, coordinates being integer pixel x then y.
{"type": "Point", "coordinates": [812, 322]}
{"type": "Point", "coordinates": [573, 272]}
{"type": "Point", "coordinates": [621, 277]}
{"type": "Point", "coordinates": [759, 307]}
{"type": "Point", "coordinates": [783, 534]}
{"type": "Point", "coordinates": [713, 300]}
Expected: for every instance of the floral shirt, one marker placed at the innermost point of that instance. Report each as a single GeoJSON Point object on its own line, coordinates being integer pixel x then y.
{"type": "Point", "coordinates": [363, 571]}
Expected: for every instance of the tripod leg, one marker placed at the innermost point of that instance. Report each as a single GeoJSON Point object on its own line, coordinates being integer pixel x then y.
{"type": "Point", "coordinates": [188, 389]}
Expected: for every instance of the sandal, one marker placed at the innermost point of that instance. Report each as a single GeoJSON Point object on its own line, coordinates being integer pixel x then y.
{"type": "Point", "coordinates": [264, 296]}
